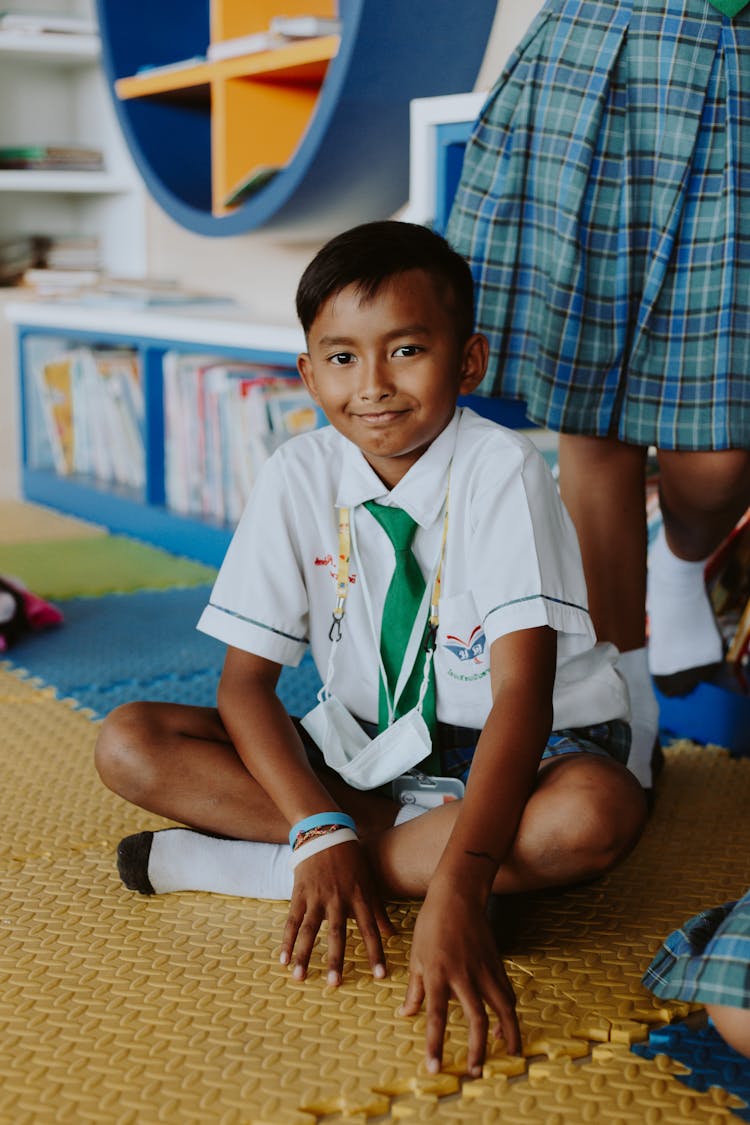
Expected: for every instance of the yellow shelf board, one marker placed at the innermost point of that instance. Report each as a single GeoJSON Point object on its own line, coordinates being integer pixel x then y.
{"type": "Point", "coordinates": [304, 61]}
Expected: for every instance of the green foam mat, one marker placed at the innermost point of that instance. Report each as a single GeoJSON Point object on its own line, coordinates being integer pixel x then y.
{"type": "Point", "coordinates": [88, 567]}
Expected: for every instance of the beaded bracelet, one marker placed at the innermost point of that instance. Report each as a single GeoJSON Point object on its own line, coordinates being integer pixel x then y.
{"type": "Point", "coordinates": [319, 820]}
{"type": "Point", "coordinates": [321, 844]}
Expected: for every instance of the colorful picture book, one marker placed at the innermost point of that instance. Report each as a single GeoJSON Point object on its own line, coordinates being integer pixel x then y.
{"type": "Point", "coordinates": [223, 419]}
{"type": "Point", "coordinates": [91, 403]}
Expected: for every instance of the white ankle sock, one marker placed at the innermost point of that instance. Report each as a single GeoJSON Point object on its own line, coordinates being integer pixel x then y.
{"type": "Point", "coordinates": [182, 860]}
{"type": "Point", "coordinates": [682, 628]}
{"type": "Point", "coordinates": [644, 720]}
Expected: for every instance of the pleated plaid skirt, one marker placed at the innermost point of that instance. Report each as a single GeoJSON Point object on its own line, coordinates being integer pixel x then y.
{"type": "Point", "coordinates": [604, 208]}
{"type": "Point", "coordinates": [707, 961]}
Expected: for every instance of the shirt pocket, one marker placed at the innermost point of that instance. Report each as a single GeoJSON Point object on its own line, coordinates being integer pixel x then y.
{"type": "Point", "coordinates": [462, 663]}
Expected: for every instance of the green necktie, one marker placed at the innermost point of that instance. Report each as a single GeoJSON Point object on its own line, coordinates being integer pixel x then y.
{"type": "Point", "coordinates": [402, 602]}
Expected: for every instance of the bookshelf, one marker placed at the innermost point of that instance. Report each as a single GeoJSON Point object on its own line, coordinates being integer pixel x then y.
{"type": "Point", "coordinates": [47, 327]}
{"type": "Point", "coordinates": [52, 90]}
{"type": "Point", "coordinates": [323, 122]}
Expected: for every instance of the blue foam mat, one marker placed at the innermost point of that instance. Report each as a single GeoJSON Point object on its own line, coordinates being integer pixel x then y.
{"type": "Point", "coordinates": [122, 647]}
{"type": "Point", "coordinates": [711, 1060]}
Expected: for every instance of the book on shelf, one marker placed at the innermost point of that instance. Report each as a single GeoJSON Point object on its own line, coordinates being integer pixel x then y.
{"type": "Point", "coordinates": [252, 44]}
{"type": "Point", "coordinates": [305, 27]}
{"type": "Point", "coordinates": [18, 253]}
{"type": "Point", "coordinates": [256, 179]}
{"type": "Point", "coordinates": [223, 420]}
{"type": "Point", "coordinates": [59, 282]}
{"type": "Point", "coordinates": [46, 23]}
{"type": "Point", "coordinates": [281, 31]}
{"type": "Point", "coordinates": [91, 402]}
{"type": "Point", "coordinates": [51, 157]}
{"type": "Point", "coordinates": [154, 69]}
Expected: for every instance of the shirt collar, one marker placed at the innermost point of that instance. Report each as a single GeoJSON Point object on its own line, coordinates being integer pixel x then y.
{"type": "Point", "coordinates": [421, 492]}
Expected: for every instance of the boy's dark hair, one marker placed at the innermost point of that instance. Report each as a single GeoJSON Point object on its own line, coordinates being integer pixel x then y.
{"type": "Point", "coordinates": [369, 255]}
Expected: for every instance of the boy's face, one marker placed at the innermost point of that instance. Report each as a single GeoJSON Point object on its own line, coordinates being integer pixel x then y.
{"type": "Point", "coordinates": [387, 371]}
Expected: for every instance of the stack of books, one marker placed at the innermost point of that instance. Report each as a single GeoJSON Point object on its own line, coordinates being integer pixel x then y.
{"type": "Point", "coordinates": [19, 253]}
{"type": "Point", "coordinates": [51, 158]}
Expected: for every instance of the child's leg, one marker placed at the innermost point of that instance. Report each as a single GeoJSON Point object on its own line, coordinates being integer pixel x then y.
{"type": "Point", "coordinates": [732, 1024]}
{"type": "Point", "coordinates": [702, 497]}
{"type": "Point", "coordinates": [178, 761]}
{"type": "Point", "coordinates": [603, 483]}
{"type": "Point", "coordinates": [585, 814]}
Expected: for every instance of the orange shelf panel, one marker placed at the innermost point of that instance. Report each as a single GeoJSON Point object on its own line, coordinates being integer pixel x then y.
{"type": "Point", "coordinates": [255, 125]}
{"type": "Point", "coordinates": [303, 62]}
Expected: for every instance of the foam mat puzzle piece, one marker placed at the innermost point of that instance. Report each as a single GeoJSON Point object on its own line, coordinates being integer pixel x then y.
{"type": "Point", "coordinates": [22, 522]}
{"type": "Point", "coordinates": [54, 802]}
{"type": "Point", "coordinates": [604, 1089]}
{"type": "Point", "coordinates": [711, 1061]}
{"type": "Point", "coordinates": [99, 564]}
{"type": "Point", "coordinates": [160, 1002]}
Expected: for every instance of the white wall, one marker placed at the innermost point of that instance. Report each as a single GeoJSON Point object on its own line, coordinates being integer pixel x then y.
{"type": "Point", "coordinates": [260, 270]}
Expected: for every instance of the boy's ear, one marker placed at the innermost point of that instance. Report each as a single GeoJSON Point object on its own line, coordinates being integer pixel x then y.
{"type": "Point", "coordinates": [473, 363]}
{"type": "Point", "coordinates": [304, 366]}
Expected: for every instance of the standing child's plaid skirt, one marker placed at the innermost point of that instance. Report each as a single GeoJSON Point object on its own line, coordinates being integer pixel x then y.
{"type": "Point", "coordinates": [708, 960]}
{"type": "Point", "coordinates": [605, 211]}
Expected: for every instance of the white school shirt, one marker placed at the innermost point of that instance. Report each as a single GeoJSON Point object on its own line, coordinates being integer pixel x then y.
{"type": "Point", "coordinates": [511, 562]}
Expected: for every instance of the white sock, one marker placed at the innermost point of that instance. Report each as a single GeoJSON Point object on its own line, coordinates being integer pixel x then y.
{"type": "Point", "coordinates": [682, 627]}
{"type": "Point", "coordinates": [181, 860]}
{"type": "Point", "coordinates": [644, 720]}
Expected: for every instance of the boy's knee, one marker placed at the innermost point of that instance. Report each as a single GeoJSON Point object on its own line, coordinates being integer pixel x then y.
{"type": "Point", "coordinates": [121, 755]}
{"type": "Point", "coordinates": [600, 823]}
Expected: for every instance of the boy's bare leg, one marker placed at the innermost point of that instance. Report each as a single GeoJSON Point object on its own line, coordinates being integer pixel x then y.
{"type": "Point", "coordinates": [177, 761]}
{"type": "Point", "coordinates": [585, 813]}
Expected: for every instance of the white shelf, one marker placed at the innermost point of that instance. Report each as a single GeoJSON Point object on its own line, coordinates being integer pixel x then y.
{"type": "Point", "coordinates": [62, 183]}
{"type": "Point", "coordinates": [53, 91]}
{"type": "Point", "coordinates": [65, 50]}
{"type": "Point", "coordinates": [229, 327]}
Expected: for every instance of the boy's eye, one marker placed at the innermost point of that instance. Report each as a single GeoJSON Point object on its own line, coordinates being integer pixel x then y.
{"type": "Point", "coordinates": [340, 359]}
{"type": "Point", "coordinates": [408, 350]}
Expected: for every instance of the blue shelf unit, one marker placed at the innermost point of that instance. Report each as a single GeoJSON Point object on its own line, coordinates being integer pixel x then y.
{"type": "Point", "coordinates": [141, 513]}
{"type": "Point", "coordinates": [351, 163]}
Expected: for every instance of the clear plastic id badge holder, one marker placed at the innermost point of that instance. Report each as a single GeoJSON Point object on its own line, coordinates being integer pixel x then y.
{"type": "Point", "coordinates": [416, 788]}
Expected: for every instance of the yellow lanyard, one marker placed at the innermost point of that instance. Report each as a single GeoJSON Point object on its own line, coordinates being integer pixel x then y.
{"type": "Point", "coordinates": [342, 577]}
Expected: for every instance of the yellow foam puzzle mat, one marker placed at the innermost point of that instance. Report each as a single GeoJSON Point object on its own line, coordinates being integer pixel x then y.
{"type": "Point", "coordinates": [21, 522]}
{"type": "Point", "coordinates": [96, 565]}
{"type": "Point", "coordinates": [120, 1009]}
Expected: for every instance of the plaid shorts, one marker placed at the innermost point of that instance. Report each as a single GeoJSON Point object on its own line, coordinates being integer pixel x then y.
{"type": "Point", "coordinates": [707, 961]}
{"type": "Point", "coordinates": [603, 211]}
{"type": "Point", "coordinates": [609, 740]}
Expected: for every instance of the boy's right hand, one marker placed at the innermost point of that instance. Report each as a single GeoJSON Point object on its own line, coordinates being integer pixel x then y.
{"type": "Point", "coordinates": [332, 886]}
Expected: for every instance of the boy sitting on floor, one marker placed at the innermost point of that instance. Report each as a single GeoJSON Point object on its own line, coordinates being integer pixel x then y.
{"type": "Point", "coordinates": [472, 654]}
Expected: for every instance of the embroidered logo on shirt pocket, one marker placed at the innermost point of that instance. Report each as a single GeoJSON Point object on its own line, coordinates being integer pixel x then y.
{"type": "Point", "coordinates": [461, 642]}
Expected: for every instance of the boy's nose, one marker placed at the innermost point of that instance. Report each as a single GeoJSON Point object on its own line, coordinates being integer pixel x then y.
{"type": "Point", "coordinates": [375, 381]}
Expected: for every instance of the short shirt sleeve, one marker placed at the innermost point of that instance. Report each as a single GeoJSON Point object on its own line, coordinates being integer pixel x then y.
{"type": "Point", "coordinates": [527, 570]}
{"type": "Point", "coordinates": [259, 601]}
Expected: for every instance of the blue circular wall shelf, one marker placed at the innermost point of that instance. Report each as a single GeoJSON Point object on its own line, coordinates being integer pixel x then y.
{"type": "Point", "coordinates": [340, 106]}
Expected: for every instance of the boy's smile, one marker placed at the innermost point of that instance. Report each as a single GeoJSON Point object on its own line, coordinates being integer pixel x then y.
{"type": "Point", "coordinates": [387, 370]}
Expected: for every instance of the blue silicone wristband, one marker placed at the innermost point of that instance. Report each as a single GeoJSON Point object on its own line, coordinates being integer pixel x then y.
{"type": "Point", "coordinates": [318, 820]}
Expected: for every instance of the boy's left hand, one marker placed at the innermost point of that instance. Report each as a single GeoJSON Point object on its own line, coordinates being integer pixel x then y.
{"type": "Point", "coordinates": [454, 954]}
